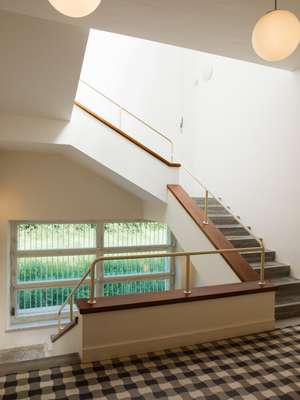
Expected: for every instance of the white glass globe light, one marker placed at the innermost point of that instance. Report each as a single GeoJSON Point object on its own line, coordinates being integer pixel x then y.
{"type": "Point", "coordinates": [75, 8]}
{"type": "Point", "coordinates": [276, 35]}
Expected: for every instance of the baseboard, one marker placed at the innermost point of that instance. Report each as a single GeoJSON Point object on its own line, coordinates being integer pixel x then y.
{"type": "Point", "coordinates": [158, 343]}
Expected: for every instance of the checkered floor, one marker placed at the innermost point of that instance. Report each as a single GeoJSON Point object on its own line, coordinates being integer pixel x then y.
{"type": "Point", "coordinates": [263, 366]}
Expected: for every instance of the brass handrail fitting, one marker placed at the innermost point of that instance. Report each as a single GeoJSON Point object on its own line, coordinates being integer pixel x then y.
{"type": "Point", "coordinates": [208, 193]}
{"type": "Point", "coordinates": [122, 109]}
{"type": "Point", "coordinates": [187, 289]}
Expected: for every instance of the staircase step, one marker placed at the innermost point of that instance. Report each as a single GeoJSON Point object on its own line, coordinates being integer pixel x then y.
{"type": "Point", "coordinates": [273, 269]}
{"type": "Point", "coordinates": [213, 207]}
{"type": "Point", "coordinates": [211, 201]}
{"type": "Point", "coordinates": [221, 219]}
{"type": "Point", "coordinates": [217, 210]}
{"type": "Point", "coordinates": [43, 363]}
{"type": "Point", "coordinates": [287, 307]}
{"type": "Point", "coordinates": [255, 257]}
{"type": "Point", "coordinates": [22, 353]}
{"type": "Point", "coordinates": [286, 286]}
{"type": "Point", "coordinates": [233, 230]}
{"type": "Point", "coordinates": [287, 297]}
{"type": "Point", "coordinates": [243, 241]}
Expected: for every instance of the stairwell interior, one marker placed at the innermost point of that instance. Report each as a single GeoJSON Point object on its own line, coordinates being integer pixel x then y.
{"type": "Point", "coordinates": [287, 294]}
{"type": "Point", "coordinates": [155, 166]}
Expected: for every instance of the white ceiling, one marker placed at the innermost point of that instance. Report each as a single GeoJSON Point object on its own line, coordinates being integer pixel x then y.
{"type": "Point", "coordinates": [40, 65]}
{"type": "Point", "coordinates": [217, 26]}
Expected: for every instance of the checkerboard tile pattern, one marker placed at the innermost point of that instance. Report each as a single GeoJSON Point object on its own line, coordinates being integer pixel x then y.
{"type": "Point", "coordinates": [262, 366]}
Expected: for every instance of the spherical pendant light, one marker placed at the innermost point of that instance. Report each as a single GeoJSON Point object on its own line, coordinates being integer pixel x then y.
{"type": "Point", "coordinates": [75, 8]}
{"type": "Point", "coordinates": [276, 35]}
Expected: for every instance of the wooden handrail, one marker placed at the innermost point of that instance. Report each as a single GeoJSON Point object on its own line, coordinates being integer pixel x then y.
{"type": "Point", "coordinates": [187, 291]}
{"type": "Point", "coordinates": [135, 116]}
{"type": "Point", "coordinates": [237, 263]}
{"type": "Point", "coordinates": [225, 252]}
{"type": "Point", "coordinates": [128, 137]}
{"type": "Point", "coordinates": [220, 201]}
{"type": "Point", "coordinates": [133, 301]}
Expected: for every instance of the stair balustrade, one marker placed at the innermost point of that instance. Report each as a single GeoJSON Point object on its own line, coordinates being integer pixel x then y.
{"type": "Point", "coordinates": [196, 186]}
{"type": "Point", "coordinates": [187, 286]}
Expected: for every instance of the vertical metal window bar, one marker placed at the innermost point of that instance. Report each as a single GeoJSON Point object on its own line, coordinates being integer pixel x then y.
{"type": "Point", "coordinates": [47, 260]}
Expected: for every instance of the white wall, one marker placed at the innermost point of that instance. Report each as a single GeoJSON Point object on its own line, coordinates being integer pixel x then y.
{"type": "Point", "coordinates": [207, 270]}
{"type": "Point", "coordinates": [241, 124]}
{"type": "Point", "coordinates": [143, 76]}
{"type": "Point", "coordinates": [179, 325]}
{"type": "Point", "coordinates": [243, 132]}
{"type": "Point", "coordinates": [41, 186]}
{"type": "Point", "coordinates": [240, 135]}
{"type": "Point", "coordinates": [135, 168]}
{"type": "Point", "coordinates": [37, 78]}
{"type": "Point", "coordinates": [96, 144]}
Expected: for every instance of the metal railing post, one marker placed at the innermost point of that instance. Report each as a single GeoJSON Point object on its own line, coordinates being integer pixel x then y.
{"type": "Point", "coordinates": [92, 285]}
{"type": "Point", "coordinates": [187, 285]}
{"type": "Point", "coordinates": [120, 118]}
{"type": "Point", "coordinates": [122, 109]}
{"type": "Point", "coordinates": [262, 281]}
{"type": "Point", "coordinates": [172, 151]}
{"type": "Point", "coordinates": [187, 289]}
{"type": "Point", "coordinates": [205, 222]}
{"type": "Point", "coordinates": [71, 308]}
{"type": "Point", "coordinates": [59, 323]}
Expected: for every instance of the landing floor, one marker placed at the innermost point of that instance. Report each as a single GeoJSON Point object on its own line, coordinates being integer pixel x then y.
{"type": "Point", "coordinates": [262, 366]}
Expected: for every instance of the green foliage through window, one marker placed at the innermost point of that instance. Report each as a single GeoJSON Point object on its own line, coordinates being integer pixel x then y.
{"type": "Point", "coordinates": [50, 256]}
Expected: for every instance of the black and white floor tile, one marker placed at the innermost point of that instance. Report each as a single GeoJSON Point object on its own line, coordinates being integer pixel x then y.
{"type": "Point", "coordinates": [262, 366]}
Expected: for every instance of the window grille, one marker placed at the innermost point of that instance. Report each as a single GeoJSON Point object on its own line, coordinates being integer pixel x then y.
{"type": "Point", "coordinates": [47, 260]}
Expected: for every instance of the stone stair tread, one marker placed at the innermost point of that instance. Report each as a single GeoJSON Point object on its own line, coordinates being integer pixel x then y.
{"type": "Point", "coordinates": [221, 211]}
{"type": "Point", "coordinates": [258, 251]}
{"type": "Point", "coordinates": [212, 199]}
{"type": "Point", "coordinates": [254, 256]}
{"type": "Point", "coordinates": [39, 364]}
{"type": "Point", "coordinates": [243, 241]}
{"type": "Point", "coordinates": [287, 309]}
{"type": "Point", "coordinates": [240, 237]}
{"type": "Point", "coordinates": [228, 226]}
{"type": "Point", "coordinates": [221, 215]}
{"type": "Point", "coordinates": [284, 301]}
{"type": "Point", "coordinates": [273, 269]}
{"type": "Point", "coordinates": [220, 219]}
{"type": "Point", "coordinates": [287, 280]}
{"type": "Point", "coordinates": [223, 219]}
{"type": "Point", "coordinates": [268, 264]}
{"type": "Point", "coordinates": [287, 301]}
{"type": "Point", "coordinates": [210, 204]}
{"type": "Point", "coordinates": [232, 229]}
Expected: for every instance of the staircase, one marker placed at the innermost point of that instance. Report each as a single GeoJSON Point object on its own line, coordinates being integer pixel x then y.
{"type": "Point", "coordinates": [288, 287]}
{"type": "Point", "coordinates": [45, 363]}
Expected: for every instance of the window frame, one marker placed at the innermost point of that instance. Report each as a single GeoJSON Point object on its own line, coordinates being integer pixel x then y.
{"type": "Point", "coordinates": [97, 251]}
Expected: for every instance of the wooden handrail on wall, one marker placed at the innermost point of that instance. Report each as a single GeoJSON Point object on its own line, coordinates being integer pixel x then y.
{"type": "Point", "coordinates": [237, 263]}
{"type": "Point", "coordinates": [128, 137]}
